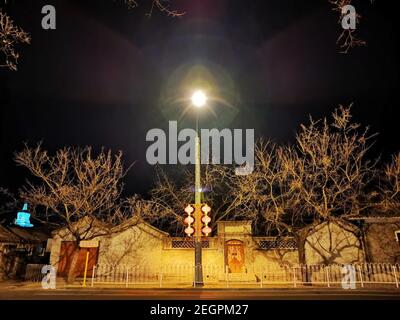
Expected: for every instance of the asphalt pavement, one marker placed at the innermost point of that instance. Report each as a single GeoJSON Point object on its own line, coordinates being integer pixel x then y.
{"type": "Point", "coordinates": [23, 293]}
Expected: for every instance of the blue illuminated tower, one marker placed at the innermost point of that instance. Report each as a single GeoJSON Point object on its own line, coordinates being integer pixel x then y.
{"type": "Point", "coordinates": [23, 217]}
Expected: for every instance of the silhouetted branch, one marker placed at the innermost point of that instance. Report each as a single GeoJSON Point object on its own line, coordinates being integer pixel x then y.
{"type": "Point", "coordinates": [162, 5]}
{"type": "Point", "coordinates": [10, 36]}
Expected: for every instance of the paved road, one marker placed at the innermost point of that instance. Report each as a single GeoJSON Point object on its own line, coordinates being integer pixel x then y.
{"type": "Point", "coordinates": [196, 294]}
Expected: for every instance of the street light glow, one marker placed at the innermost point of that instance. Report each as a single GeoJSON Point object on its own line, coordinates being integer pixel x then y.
{"type": "Point", "coordinates": [199, 99]}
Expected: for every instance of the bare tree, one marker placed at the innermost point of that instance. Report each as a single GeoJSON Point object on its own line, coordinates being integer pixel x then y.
{"type": "Point", "coordinates": [335, 171]}
{"type": "Point", "coordinates": [81, 192]}
{"type": "Point", "coordinates": [173, 191]}
{"type": "Point", "coordinates": [323, 177]}
{"type": "Point", "coordinates": [10, 36]}
{"type": "Point", "coordinates": [271, 193]}
{"type": "Point", "coordinates": [269, 190]}
{"type": "Point", "coordinates": [332, 173]}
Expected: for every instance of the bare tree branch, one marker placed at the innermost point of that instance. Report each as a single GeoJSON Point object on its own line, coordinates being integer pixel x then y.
{"type": "Point", "coordinates": [10, 36]}
{"type": "Point", "coordinates": [389, 185]}
{"type": "Point", "coordinates": [174, 191]}
{"type": "Point", "coordinates": [162, 5]}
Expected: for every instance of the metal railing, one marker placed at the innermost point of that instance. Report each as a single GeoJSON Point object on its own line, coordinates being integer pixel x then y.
{"type": "Point", "coordinates": [33, 272]}
{"type": "Point", "coordinates": [331, 275]}
{"type": "Point", "coordinates": [180, 274]}
{"type": "Point", "coordinates": [272, 275]}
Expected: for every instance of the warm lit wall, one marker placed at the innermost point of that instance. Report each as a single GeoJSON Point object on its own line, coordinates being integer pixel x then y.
{"type": "Point", "coordinates": [268, 258]}
{"type": "Point", "coordinates": [333, 242]}
{"type": "Point", "coordinates": [138, 245]}
{"type": "Point", "coordinates": [134, 247]}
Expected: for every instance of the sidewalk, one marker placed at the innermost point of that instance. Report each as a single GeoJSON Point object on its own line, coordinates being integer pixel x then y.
{"type": "Point", "coordinates": [27, 285]}
{"type": "Point", "coordinates": [9, 285]}
{"type": "Point", "coordinates": [77, 285]}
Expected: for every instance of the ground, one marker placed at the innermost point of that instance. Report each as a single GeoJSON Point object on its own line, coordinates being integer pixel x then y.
{"type": "Point", "coordinates": [12, 291]}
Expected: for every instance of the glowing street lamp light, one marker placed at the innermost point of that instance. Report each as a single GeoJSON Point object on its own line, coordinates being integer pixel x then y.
{"type": "Point", "coordinates": [199, 99]}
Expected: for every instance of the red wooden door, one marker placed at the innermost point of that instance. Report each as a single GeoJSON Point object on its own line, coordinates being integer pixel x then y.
{"type": "Point", "coordinates": [66, 254]}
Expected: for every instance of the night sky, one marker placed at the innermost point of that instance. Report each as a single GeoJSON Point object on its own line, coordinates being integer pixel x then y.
{"type": "Point", "coordinates": [106, 75]}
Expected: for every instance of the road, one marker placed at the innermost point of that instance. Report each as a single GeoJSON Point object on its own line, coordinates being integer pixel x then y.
{"type": "Point", "coordinates": [197, 294]}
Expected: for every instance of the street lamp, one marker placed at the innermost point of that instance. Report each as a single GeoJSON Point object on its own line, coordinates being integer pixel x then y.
{"type": "Point", "coordinates": [199, 99]}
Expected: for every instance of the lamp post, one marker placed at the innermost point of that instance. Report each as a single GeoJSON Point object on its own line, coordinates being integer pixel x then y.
{"type": "Point", "coordinates": [199, 100]}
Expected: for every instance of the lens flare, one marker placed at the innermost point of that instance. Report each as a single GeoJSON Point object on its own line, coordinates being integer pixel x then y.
{"type": "Point", "coordinates": [199, 98]}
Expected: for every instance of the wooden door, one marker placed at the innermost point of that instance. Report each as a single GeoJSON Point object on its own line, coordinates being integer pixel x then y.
{"type": "Point", "coordinates": [66, 253]}
{"type": "Point", "coordinates": [235, 256]}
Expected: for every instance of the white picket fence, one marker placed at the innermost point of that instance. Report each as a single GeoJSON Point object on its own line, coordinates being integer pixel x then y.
{"type": "Point", "coordinates": [271, 275]}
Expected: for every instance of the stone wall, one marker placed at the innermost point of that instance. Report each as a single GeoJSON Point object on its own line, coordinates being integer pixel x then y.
{"type": "Point", "coordinates": [381, 242]}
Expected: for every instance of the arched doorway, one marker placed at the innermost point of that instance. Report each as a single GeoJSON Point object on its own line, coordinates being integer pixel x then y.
{"type": "Point", "coordinates": [234, 256]}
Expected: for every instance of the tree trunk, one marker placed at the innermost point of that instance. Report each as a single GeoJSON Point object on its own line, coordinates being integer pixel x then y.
{"type": "Point", "coordinates": [71, 272]}
{"type": "Point", "coordinates": [301, 241]}
{"type": "Point", "coordinates": [364, 243]}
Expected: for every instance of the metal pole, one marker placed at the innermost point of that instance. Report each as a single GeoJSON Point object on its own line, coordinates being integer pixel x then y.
{"type": "Point", "coordinates": [197, 248]}
{"type": "Point", "coordinates": [327, 276]}
{"type": "Point", "coordinates": [86, 267]}
{"type": "Point", "coordinates": [197, 199]}
{"type": "Point", "coordinates": [93, 273]}
{"type": "Point", "coordinates": [395, 276]}
{"type": "Point", "coordinates": [361, 277]}
{"type": "Point", "coordinates": [294, 277]}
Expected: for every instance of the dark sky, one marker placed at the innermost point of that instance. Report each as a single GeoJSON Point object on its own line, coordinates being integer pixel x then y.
{"type": "Point", "coordinates": [103, 77]}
